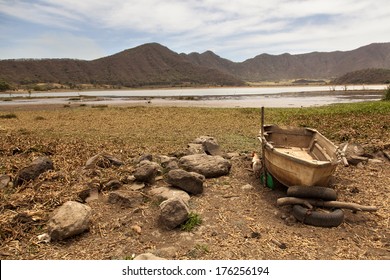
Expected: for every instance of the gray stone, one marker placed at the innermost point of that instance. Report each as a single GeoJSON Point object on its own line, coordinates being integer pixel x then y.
{"type": "Point", "coordinates": [165, 193]}
{"type": "Point", "coordinates": [190, 182]}
{"type": "Point", "coordinates": [148, 256]}
{"type": "Point", "coordinates": [147, 171]}
{"type": "Point", "coordinates": [112, 185]}
{"type": "Point", "coordinates": [70, 219]}
{"type": "Point", "coordinates": [125, 198]}
{"type": "Point", "coordinates": [173, 212]}
{"type": "Point", "coordinates": [4, 181]}
{"type": "Point", "coordinates": [209, 166]}
{"type": "Point", "coordinates": [193, 149]}
{"type": "Point", "coordinates": [209, 144]}
{"type": "Point", "coordinates": [36, 168]}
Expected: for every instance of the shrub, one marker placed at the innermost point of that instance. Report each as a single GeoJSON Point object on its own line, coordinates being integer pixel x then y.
{"type": "Point", "coordinates": [8, 116]}
{"type": "Point", "coordinates": [193, 221]}
{"type": "Point", "coordinates": [387, 94]}
{"type": "Point", "coordinates": [4, 86]}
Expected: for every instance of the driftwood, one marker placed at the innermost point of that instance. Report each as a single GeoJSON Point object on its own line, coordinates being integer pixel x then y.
{"type": "Point", "coordinates": [313, 202]}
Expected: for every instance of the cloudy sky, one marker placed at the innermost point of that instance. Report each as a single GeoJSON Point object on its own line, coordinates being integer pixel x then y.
{"type": "Point", "coordinates": [236, 30]}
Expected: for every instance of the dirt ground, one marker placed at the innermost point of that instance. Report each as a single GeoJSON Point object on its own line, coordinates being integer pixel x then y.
{"type": "Point", "coordinates": [240, 218]}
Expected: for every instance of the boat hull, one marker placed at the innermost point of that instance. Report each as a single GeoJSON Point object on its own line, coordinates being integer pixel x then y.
{"type": "Point", "coordinates": [299, 156]}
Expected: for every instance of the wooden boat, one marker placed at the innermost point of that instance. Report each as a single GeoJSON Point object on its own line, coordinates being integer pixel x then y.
{"type": "Point", "coordinates": [298, 156]}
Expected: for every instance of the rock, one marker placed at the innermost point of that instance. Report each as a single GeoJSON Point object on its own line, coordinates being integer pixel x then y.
{"type": "Point", "coordinates": [147, 171]}
{"type": "Point", "coordinates": [148, 256]}
{"type": "Point", "coordinates": [4, 181]}
{"type": "Point", "coordinates": [103, 161]}
{"type": "Point", "coordinates": [36, 168]}
{"type": "Point", "coordinates": [209, 166]}
{"type": "Point", "coordinates": [247, 187]}
{"type": "Point", "coordinates": [136, 228]}
{"type": "Point", "coordinates": [89, 194]}
{"type": "Point", "coordinates": [190, 182]}
{"type": "Point", "coordinates": [232, 155]}
{"type": "Point", "coordinates": [165, 160]}
{"type": "Point", "coordinates": [137, 186]}
{"type": "Point", "coordinates": [172, 165]}
{"type": "Point", "coordinates": [209, 144]}
{"type": "Point", "coordinates": [112, 185]}
{"type": "Point", "coordinates": [70, 219]}
{"type": "Point", "coordinates": [166, 252]}
{"type": "Point", "coordinates": [125, 198]}
{"type": "Point", "coordinates": [148, 157]}
{"type": "Point", "coordinates": [165, 193]}
{"type": "Point", "coordinates": [173, 212]}
{"type": "Point", "coordinates": [193, 149]}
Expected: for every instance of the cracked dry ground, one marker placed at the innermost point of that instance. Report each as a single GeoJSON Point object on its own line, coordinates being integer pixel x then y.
{"type": "Point", "coordinates": [237, 223]}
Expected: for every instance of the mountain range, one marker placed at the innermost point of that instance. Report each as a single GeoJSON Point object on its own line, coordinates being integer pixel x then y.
{"type": "Point", "coordinates": [155, 65]}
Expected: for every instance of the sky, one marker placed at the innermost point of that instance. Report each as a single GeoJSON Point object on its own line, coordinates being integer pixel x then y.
{"type": "Point", "coordinates": [235, 30]}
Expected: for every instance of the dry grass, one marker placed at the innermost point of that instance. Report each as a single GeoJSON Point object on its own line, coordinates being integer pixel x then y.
{"type": "Point", "coordinates": [71, 135]}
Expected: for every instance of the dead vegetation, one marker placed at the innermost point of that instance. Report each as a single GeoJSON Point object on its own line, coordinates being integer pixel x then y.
{"type": "Point", "coordinates": [237, 222]}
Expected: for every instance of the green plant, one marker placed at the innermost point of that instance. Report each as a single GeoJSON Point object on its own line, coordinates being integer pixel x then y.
{"type": "Point", "coordinates": [387, 94]}
{"type": "Point", "coordinates": [4, 86]}
{"type": "Point", "coordinates": [8, 116]}
{"type": "Point", "coordinates": [193, 221]}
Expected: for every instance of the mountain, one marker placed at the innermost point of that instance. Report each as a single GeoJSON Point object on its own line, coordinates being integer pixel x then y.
{"type": "Point", "coordinates": [146, 65]}
{"type": "Point", "coordinates": [365, 76]}
{"type": "Point", "coordinates": [155, 65]}
{"type": "Point", "coordinates": [315, 65]}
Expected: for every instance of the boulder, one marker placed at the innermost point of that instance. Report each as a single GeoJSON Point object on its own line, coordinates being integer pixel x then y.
{"type": "Point", "coordinates": [103, 160]}
{"type": "Point", "coordinates": [165, 193]}
{"type": "Point", "coordinates": [125, 198]}
{"type": "Point", "coordinates": [190, 182]}
{"type": "Point", "coordinates": [32, 171]}
{"type": "Point", "coordinates": [173, 212]}
{"type": "Point", "coordinates": [147, 171]}
{"type": "Point", "coordinates": [70, 219]}
{"type": "Point", "coordinates": [209, 166]}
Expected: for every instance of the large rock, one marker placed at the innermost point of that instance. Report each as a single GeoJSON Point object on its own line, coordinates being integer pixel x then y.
{"type": "Point", "coordinates": [173, 212]}
{"type": "Point", "coordinates": [164, 193]}
{"type": "Point", "coordinates": [147, 171]}
{"type": "Point", "coordinates": [190, 182]}
{"type": "Point", "coordinates": [70, 219]}
{"type": "Point", "coordinates": [36, 168]}
{"type": "Point", "coordinates": [209, 166]}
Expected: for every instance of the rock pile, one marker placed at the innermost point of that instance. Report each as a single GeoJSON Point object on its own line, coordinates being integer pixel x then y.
{"type": "Point", "coordinates": [178, 177]}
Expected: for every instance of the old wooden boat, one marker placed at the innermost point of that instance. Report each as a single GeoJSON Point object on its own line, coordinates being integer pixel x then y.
{"type": "Point", "coordinates": [298, 156]}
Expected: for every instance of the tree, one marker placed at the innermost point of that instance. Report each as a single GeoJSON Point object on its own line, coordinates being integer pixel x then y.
{"type": "Point", "coordinates": [4, 86]}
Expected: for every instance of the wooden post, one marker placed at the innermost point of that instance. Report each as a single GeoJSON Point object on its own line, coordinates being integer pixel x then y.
{"type": "Point", "coordinates": [263, 147]}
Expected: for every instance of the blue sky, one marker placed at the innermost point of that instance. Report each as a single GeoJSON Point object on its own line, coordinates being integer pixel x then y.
{"type": "Point", "coordinates": [236, 30]}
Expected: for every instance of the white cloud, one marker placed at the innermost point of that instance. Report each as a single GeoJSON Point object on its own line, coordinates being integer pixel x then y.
{"type": "Point", "coordinates": [52, 45]}
{"type": "Point", "coordinates": [233, 29]}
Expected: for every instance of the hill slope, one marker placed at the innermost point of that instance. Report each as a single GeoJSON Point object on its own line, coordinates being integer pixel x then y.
{"type": "Point", "coordinates": [155, 65]}
{"type": "Point", "coordinates": [146, 65]}
{"type": "Point", "coordinates": [316, 65]}
{"type": "Point", "coordinates": [365, 76]}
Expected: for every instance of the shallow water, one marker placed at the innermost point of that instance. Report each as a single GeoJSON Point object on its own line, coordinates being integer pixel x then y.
{"type": "Point", "coordinates": [209, 97]}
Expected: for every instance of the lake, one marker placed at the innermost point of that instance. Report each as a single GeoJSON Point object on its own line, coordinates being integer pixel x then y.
{"type": "Point", "coordinates": [283, 96]}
